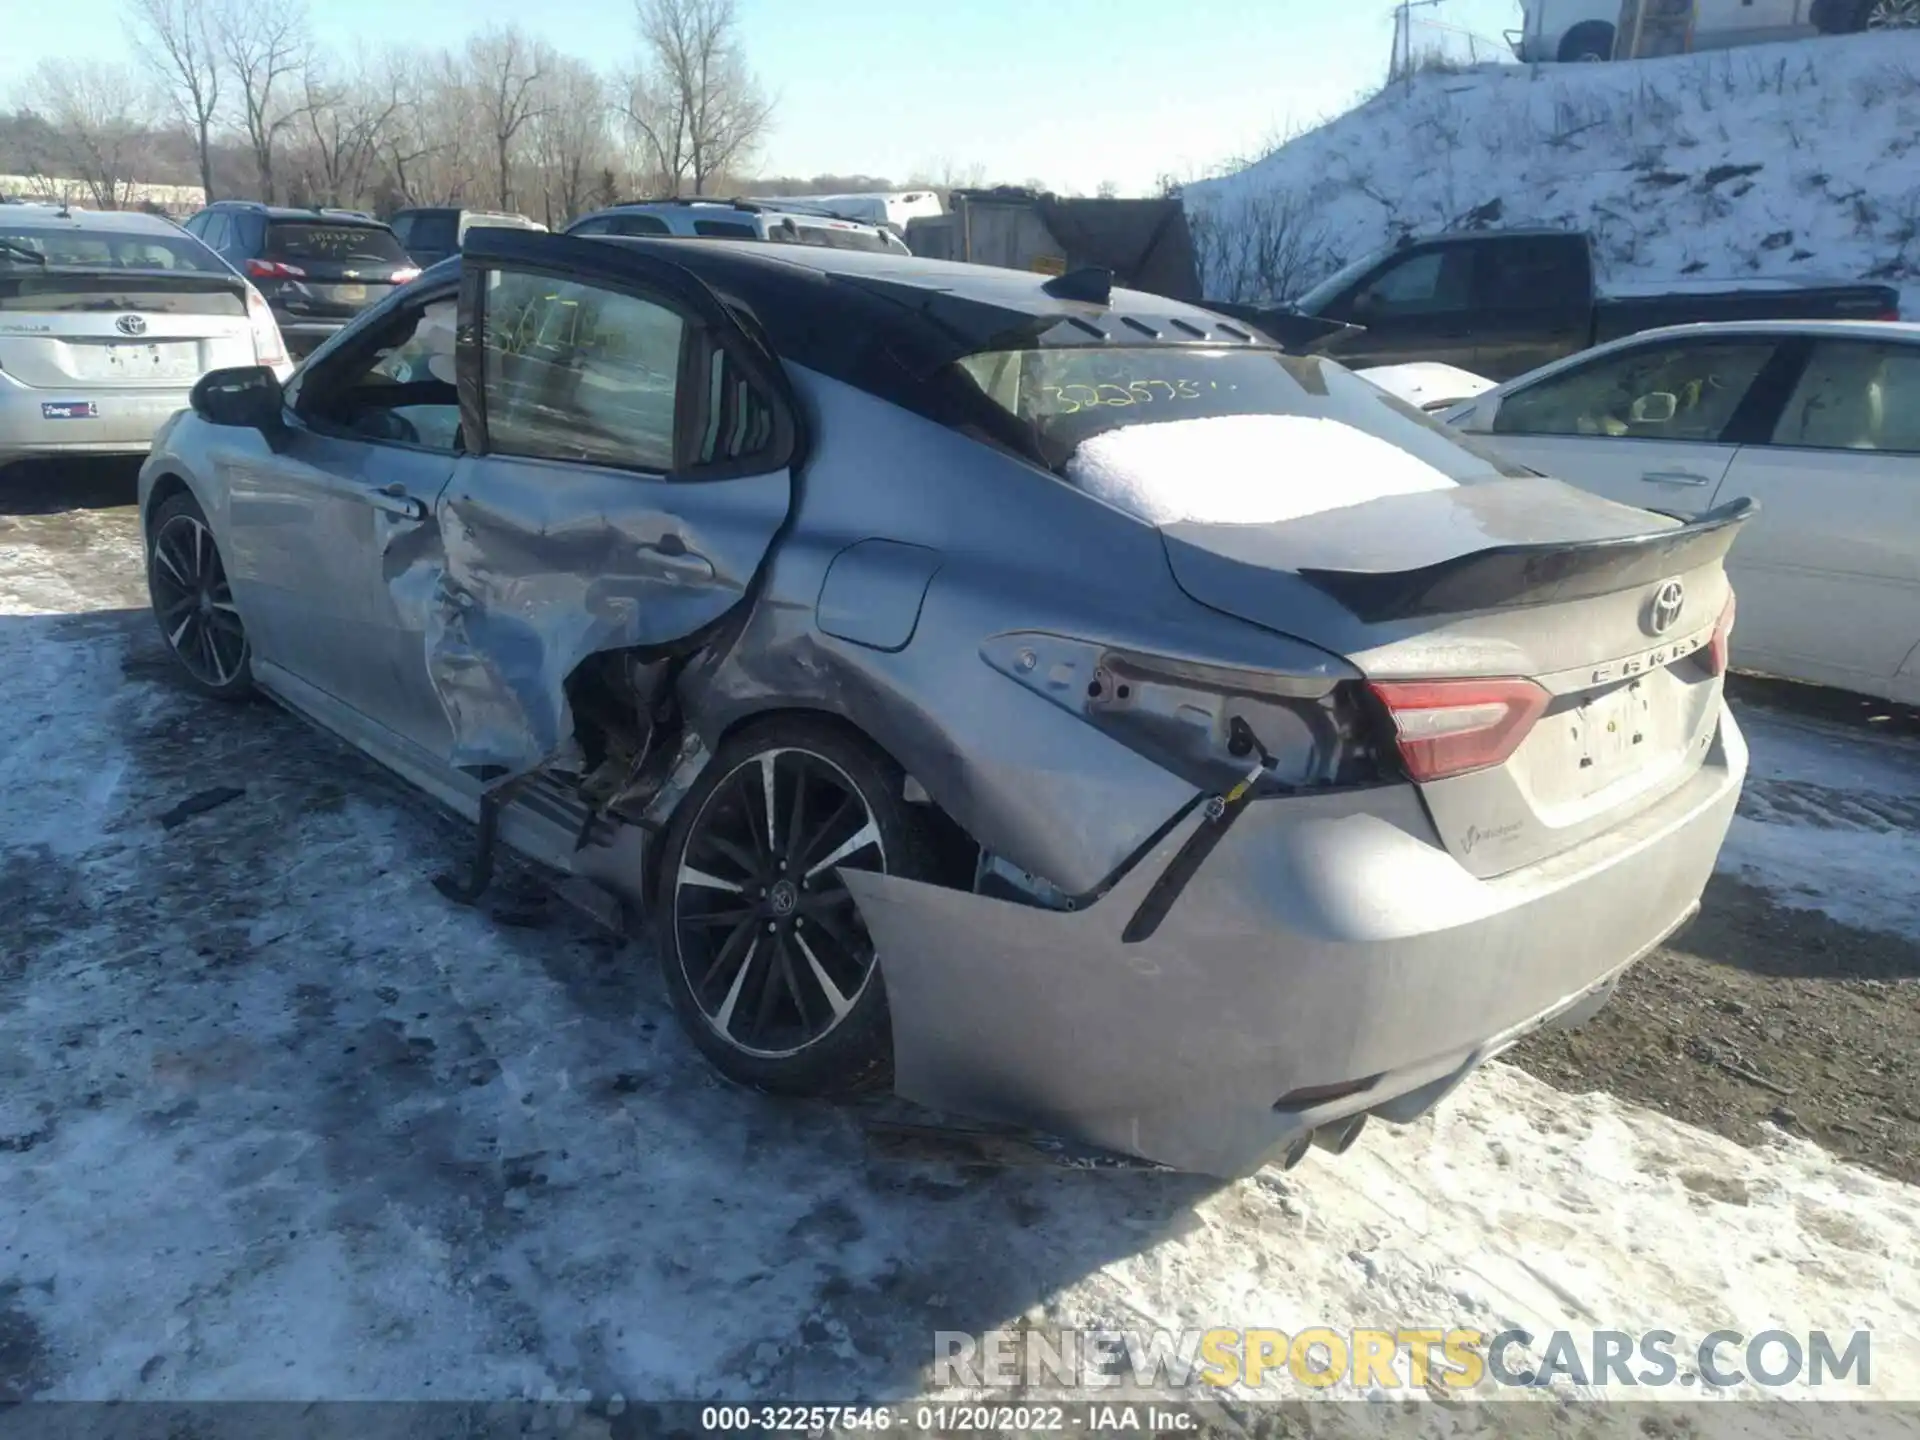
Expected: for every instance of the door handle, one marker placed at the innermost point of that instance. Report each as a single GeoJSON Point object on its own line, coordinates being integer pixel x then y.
{"type": "Point", "coordinates": [395, 500]}
{"type": "Point", "coordinates": [680, 561]}
{"type": "Point", "coordinates": [1674, 477]}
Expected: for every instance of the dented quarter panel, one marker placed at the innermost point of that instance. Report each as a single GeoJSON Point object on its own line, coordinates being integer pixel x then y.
{"type": "Point", "coordinates": [1026, 778]}
{"type": "Point", "coordinates": [548, 564]}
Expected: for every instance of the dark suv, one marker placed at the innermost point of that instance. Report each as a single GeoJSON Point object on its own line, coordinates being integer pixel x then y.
{"type": "Point", "coordinates": [433, 232]}
{"type": "Point", "coordinates": [317, 268]}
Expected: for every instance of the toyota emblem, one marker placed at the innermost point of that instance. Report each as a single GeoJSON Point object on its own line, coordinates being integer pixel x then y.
{"type": "Point", "coordinates": [1669, 599]}
{"type": "Point", "coordinates": [131, 324]}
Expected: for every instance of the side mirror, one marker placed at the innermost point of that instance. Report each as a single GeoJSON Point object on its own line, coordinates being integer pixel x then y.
{"type": "Point", "coordinates": [1655, 408]}
{"type": "Point", "coordinates": [248, 397]}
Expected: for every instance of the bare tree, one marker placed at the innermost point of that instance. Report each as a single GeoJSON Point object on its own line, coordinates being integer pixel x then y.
{"type": "Point", "coordinates": [656, 125]}
{"type": "Point", "coordinates": [343, 124]}
{"type": "Point", "coordinates": [570, 138]}
{"type": "Point", "coordinates": [175, 40]}
{"type": "Point", "coordinates": [99, 115]}
{"type": "Point", "coordinates": [695, 102]}
{"type": "Point", "coordinates": [1264, 249]}
{"type": "Point", "coordinates": [263, 44]}
{"type": "Point", "coordinates": [506, 67]}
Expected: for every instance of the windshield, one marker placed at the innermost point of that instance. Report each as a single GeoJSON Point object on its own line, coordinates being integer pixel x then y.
{"type": "Point", "coordinates": [306, 240]}
{"type": "Point", "coordinates": [1327, 289]}
{"type": "Point", "coordinates": [1066, 397]}
{"type": "Point", "coordinates": [36, 247]}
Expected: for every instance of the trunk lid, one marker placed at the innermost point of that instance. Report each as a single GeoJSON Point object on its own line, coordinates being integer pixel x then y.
{"type": "Point", "coordinates": [120, 329]}
{"type": "Point", "coordinates": [1609, 610]}
{"type": "Point", "coordinates": [328, 269]}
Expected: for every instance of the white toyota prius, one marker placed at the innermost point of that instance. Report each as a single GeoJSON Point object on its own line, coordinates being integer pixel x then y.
{"type": "Point", "coordinates": [107, 318]}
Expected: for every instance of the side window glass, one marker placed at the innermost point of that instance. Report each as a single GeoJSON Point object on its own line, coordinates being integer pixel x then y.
{"type": "Point", "coordinates": [639, 225]}
{"type": "Point", "coordinates": [1434, 282]}
{"type": "Point", "coordinates": [196, 225]}
{"type": "Point", "coordinates": [571, 372]}
{"type": "Point", "coordinates": [401, 388]}
{"type": "Point", "coordinates": [215, 233]}
{"type": "Point", "coordinates": [1531, 275]}
{"type": "Point", "coordinates": [1855, 396]}
{"type": "Point", "coordinates": [1655, 392]}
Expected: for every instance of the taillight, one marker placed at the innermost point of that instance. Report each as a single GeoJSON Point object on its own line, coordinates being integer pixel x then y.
{"type": "Point", "coordinates": [406, 273]}
{"type": "Point", "coordinates": [269, 348]}
{"type": "Point", "coordinates": [1889, 315]}
{"type": "Point", "coordinates": [1717, 648]}
{"type": "Point", "coordinates": [275, 270]}
{"type": "Point", "coordinates": [1452, 727]}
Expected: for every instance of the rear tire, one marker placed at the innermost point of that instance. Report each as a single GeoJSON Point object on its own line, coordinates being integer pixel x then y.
{"type": "Point", "coordinates": [1587, 44]}
{"type": "Point", "coordinates": [769, 964]}
{"type": "Point", "coordinates": [193, 602]}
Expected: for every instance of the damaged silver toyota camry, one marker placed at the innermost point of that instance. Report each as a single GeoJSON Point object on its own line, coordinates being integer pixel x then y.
{"type": "Point", "coordinates": [1054, 701]}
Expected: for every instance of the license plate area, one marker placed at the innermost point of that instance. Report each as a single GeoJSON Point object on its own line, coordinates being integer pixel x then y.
{"type": "Point", "coordinates": [135, 363]}
{"type": "Point", "coordinates": [1611, 734]}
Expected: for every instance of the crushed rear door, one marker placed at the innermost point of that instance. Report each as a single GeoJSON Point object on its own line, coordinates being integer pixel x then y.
{"type": "Point", "coordinates": [563, 534]}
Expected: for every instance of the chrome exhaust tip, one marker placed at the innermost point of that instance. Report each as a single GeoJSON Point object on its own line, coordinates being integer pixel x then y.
{"type": "Point", "coordinates": [1338, 1137]}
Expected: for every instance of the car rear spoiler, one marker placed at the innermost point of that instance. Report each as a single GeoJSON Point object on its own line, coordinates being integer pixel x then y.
{"type": "Point", "coordinates": [1289, 329]}
{"type": "Point", "coordinates": [1513, 576]}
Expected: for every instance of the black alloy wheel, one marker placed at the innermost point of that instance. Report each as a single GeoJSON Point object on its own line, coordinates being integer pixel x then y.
{"type": "Point", "coordinates": [769, 961]}
{"type": "Point", "coordinates": [193, 601]}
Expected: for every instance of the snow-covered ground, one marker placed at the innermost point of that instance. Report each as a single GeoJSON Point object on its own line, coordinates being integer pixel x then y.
{"type": "Point", "coordinates": [1788, 160]}
{"type": "Point", "coordinates": [279, 1121]}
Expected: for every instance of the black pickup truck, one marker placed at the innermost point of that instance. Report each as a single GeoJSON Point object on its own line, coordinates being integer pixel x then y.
{"type": "Point", "coordinates": [1503, 302]}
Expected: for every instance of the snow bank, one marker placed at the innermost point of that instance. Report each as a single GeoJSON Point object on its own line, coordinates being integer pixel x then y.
{"type": "Point", "coordinates": [1775, 161]}
{"type": "Point", "coordinates": [1245, 469]}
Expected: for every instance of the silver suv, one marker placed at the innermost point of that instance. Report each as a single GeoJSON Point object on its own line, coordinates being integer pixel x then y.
{"type": "Point", "coordinates": [739, 220]}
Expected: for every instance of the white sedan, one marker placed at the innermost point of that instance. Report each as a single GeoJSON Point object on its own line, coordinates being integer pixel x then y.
{"type": "Point", "coordinates": [1818, 421]}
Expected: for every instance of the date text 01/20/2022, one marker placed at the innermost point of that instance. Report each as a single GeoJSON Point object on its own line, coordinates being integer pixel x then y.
{"type": "Point", "coordinates": [947, 1418]}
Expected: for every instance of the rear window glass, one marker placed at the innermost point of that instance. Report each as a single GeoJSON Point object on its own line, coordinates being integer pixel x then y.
{"type": "Point", "coordinates": [1064, 397]}
{"type": "Point", "coordinates": [307, 240]}
{"type": "Point", "coordinates": [24, 248]}
{"type": "Point", "coordinates": [428, 232]}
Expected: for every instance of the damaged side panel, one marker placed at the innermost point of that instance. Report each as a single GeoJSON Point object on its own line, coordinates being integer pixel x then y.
{"type": "Point", "coordinates": [546, 565]}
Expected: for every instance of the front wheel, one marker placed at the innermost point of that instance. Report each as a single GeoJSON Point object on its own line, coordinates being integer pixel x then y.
{"type": "Point", "coordinates": [193, 603]}
{"type": "Point", "coordinates": [770, 966]}
{"type": "Point", "coordinates": [1893, 15]}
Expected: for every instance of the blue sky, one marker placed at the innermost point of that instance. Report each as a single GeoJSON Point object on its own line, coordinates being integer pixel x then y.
{"type": "Point", "coordinates": [1072, 92]}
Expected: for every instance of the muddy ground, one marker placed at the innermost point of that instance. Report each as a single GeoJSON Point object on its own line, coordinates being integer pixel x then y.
{"type": "Point", "coordinates": [1759, 1015]}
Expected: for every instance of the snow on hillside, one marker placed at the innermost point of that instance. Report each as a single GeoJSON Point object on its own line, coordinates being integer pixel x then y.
{"type": "Point", "coordinates": [1789, 160]}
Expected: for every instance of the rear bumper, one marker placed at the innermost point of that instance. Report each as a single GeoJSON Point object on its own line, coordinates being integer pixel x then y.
{"type": "Point", "coordinates": [1328, 943]}
{"type": "Point", "coordinates": [122, 423]}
